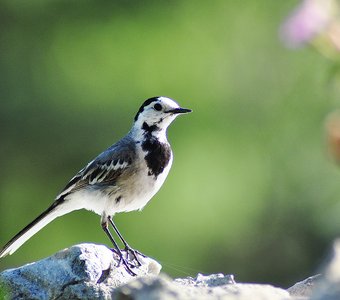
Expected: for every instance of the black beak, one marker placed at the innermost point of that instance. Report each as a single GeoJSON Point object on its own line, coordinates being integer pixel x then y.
{"type": "Point", "coordinates": [179, 110]}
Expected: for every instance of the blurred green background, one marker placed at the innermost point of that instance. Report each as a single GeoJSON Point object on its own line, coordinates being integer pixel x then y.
{"type": "Point", "coordinates": [252, 191]}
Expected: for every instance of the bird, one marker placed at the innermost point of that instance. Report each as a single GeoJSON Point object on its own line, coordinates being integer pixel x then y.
{"type": "Point", "coordinates": [122, 178]}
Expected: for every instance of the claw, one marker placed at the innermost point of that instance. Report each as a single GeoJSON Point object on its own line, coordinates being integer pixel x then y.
{"type": "Point", "coordinates": [128, 266]}
{"type": "Point", "coordinates": [125, 262]}
{"type": "Point", "coordinates": [134, 253]}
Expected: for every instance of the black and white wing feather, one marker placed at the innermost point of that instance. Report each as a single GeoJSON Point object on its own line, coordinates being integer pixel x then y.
{"type": "Point", "coordinates": [105, 169]}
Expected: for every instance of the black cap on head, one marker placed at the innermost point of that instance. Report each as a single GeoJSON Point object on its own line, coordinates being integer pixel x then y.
{"type": "Point", "coordinates": [146, 103]}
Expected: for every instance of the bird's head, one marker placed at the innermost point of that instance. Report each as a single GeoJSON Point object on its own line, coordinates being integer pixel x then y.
{"type": "Point", "coordinates": [157, 113]}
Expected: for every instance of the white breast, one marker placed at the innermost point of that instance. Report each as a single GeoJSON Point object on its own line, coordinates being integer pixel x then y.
{"type": "Point", "coordinates": [142, 187]}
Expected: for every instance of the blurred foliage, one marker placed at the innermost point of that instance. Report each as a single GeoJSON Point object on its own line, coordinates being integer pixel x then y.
{"type": "Point", "coordinates": [252, 191]}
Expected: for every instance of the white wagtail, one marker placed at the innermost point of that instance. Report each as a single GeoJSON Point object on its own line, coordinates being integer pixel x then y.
{"type": "Point", "coordinates": [122, 178]}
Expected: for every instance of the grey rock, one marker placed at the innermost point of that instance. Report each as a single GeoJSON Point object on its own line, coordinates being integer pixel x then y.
{"type": "Point", "coordinates": [306, 287]}
{"type": "Point", "coordinates": [216, 286]}
{"type": "Point", "coordinates": [329, 287]}
{"type": "Point", "coordinates": [84, 271]}
{"type": "Point", "coordinates": [89, 271]}
{"type": "Point", "coordinates": [207, 281]}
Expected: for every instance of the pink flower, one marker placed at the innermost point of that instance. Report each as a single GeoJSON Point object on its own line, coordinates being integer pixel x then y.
{"type": "Point", "coordinates": [308, 20]}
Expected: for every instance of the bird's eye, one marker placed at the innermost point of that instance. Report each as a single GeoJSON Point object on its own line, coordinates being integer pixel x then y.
{"type": "Point", "coordinates": [157, 106]}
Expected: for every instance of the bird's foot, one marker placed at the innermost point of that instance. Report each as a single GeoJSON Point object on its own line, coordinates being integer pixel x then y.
{"type": "Point", "coordinates": [122, 260]}
{"type": "Point", "coordinates": [128, 266]}
{"type": "Point", "coordinates": [134, 253]}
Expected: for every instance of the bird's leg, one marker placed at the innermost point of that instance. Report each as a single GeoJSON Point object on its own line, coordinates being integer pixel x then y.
{"type": "Point", "coordinates": [127, 247]}
{"type": "Point", "coordinates": [117, 250]}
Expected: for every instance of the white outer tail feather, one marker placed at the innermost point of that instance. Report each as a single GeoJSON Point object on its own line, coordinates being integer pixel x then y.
{"type": "Point", "coordinates": [41, 221]}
